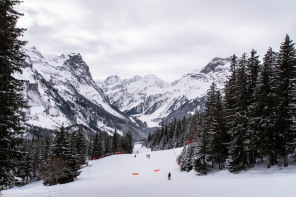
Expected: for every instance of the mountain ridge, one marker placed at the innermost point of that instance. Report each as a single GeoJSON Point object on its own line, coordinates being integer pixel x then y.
{"type": "Point", "coordinates": [61, 91]}
{"type": "Point", "coordinates": [153, 100]}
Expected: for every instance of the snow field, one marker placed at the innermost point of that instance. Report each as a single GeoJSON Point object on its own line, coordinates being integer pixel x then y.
{"type": "Point", "coordinates": [112, 177]}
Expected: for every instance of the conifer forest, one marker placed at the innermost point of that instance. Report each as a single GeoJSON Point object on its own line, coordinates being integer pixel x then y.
{"type": "Point", "coordinates": [250, 121]}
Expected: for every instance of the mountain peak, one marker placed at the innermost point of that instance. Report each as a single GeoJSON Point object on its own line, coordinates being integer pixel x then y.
{"type": "Point", "coordinates": [136, 78]}
{"type": "Point", "coordinates": [214, 63]}
{"type": "Point", "coordinates": [153, 78]}
{"type": "Point", "coordinates": [150, 76]}
{"type": "Point", "coordinates": [71, 54]}
{"type": "Point", "coordinates": [111, 80]}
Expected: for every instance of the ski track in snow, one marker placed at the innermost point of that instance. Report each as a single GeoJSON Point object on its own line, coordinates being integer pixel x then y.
{"type": "Point", "coordinates": [112, 177]}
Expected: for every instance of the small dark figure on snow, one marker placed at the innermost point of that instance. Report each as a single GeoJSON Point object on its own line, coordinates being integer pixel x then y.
{"type": "Point", "coordinates": [169, 176]}
{"type": "Point", "coordinates": [135, 155]}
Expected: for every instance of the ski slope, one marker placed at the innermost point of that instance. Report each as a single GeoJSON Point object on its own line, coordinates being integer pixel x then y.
{"type": "Point", "coordinates": [112, 177]}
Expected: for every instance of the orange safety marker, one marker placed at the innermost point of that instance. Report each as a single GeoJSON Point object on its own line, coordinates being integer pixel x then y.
{"type": "Point", "coordinates": [135, 173]}
{"type": "Point", "coordinates": [156, 170]}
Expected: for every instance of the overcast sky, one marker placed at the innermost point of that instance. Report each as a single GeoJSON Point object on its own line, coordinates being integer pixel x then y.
{"type": "Point", "coordinates": [168, 38]}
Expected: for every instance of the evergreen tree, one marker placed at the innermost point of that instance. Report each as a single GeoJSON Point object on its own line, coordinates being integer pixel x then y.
{"type": "Point", "coordinates": [81, 146]}
{"type": "Point", "coordinates": [183, 159]}
{"type": "Point", "coordinates": [176, 136]}
{"type": "Point", "coordinates": [97, 146]}
{"type": "Point", "coordinates": [263, 110]}
{"type": "Point", "coordinates": [219, 137]}
{"type": "Point", "coordinates": [108, 147]}
{"type": "Point", "coordinates": [115, 142]}
{"type": "Point", "coordinates": [45, 149]}
{"type": "Point", "coordinates": [61, 145]}
{"type": "Point", "coordinates": [128, 144]}
{"type": "Point", "coordinates": [73, 161]}
{"type": "Point", "coordinates": [36, 156]}
{"type": "Point", "coordinates": [230, 101]}
{"type": "Point", "coordinates": [286, 94]}
{"type": "Point", "coordinates": [238, 147]}
{"type": "Point", "coordinates": [201, 153]}
{"type": "Point", "coordinates": [63, 149]}
{"type": "Point", "coordinates": [89, 149]}
{"type": "Point", "coordinates": [26, 170]}
{"type": "Point", "coordinates": [186, 163]}
{"type": "Point", "coordinates": [11, 100]}
{"type": "Point", "coordinates": [252, 69]}
{"type": "Point", "coordinates": [182, 138]}
{"type": "Point", "coordinates": [192, 135]}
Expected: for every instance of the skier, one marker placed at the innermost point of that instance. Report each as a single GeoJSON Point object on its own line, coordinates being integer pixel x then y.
{"type": "Point", "coordinates": [169, 176]}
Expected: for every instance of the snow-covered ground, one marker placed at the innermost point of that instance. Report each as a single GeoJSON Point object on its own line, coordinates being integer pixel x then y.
{"type": "Point", "coordinates": [112, 177]}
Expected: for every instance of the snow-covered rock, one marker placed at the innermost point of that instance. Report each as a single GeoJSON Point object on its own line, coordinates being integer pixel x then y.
{"type": "Point", "coordinates": [153, 100]}
{"type": "Point", "coordinates": [60, 90]}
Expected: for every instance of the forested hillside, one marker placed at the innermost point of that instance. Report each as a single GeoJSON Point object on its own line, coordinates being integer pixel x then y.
{"type": "Point", "coordinates": [251, 121]}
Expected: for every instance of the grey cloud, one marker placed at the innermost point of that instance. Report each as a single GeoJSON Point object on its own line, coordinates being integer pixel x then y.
{"type": "Point", "coordinates": [125, 37]}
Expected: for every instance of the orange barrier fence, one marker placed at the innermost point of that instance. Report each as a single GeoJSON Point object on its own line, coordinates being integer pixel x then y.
{"type": "Point", "coordinates": [156, 170]}
{"type": "Point", "coordinates": [135, 173]}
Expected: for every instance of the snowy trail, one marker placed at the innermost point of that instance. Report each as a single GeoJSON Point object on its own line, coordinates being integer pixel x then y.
{"type": "Point", "coordinates": [112, 177]}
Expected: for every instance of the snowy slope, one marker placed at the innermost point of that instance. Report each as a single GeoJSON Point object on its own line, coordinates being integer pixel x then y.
{"type": "Point", "coordinates": [60, 90]}
{"type": "Point", "coordinates": [152, 100]}
{"type": "Point", "coordinates": [112, 177]}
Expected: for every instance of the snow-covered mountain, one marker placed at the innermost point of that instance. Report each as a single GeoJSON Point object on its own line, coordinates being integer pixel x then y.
{"type": "Point", "coordinates": [60, 90]}
{"type": "Point", "coordinates": [153, 100]}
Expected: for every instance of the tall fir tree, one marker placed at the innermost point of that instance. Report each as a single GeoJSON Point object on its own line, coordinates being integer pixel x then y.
{"type": "Point", "coordinates": [64, 147]}
{"type": "Point", "coordinates": [108, 145]}
{"type": "Point", "coordinates": [97, 146]}
{"type": "Point", "coordinates": [11, 99]}
{"type": "Point", "coordinates": [230, 95]}
{"type": "Point", "coordinates": [128, 144]}
{"type": "Point", "coordinates": [60, 146]}
{"type": "Point", "coordinates": [81, 146]}
{"type": "Point", "coordinates": [263, 111]}
{"type": "Point", "coordinates": [253, 68]}
{"type": "Point", "coordinates": [115, 142]}
{"type": "Point", "coordinates": [45, 149]}
{"type": "Point", "coordinates": [73, 160]}
{"type": "Point", "coordinates": [218, 136]}
{"type": "Point", "coordinates": [238, 147]}
{"type": "Point", "coordinates": [286, 94]}
{"type": "Point", "coordinates": [176, 136]}
{"type": "Point", "coordinates": [89, 149]}
{"type": "Point", "coordinates": [26, 169]}
{"type": "Point", "coordinates": [187, 161]}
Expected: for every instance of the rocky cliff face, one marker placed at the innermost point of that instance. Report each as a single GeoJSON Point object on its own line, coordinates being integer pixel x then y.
{"type": "Point", "coordinates": [60, 90]}
{"type": "Point", "coordinates": [152, 100]}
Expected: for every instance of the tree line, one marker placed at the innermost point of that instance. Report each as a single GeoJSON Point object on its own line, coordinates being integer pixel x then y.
{"type": "Point", "coordinates": [251, 120]}
{"type": "Point", "coordinates": [59, 160]}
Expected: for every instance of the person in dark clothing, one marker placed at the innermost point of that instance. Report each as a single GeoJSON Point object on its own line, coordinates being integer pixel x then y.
{"type": "Point", "coordinates": [169, 176]}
